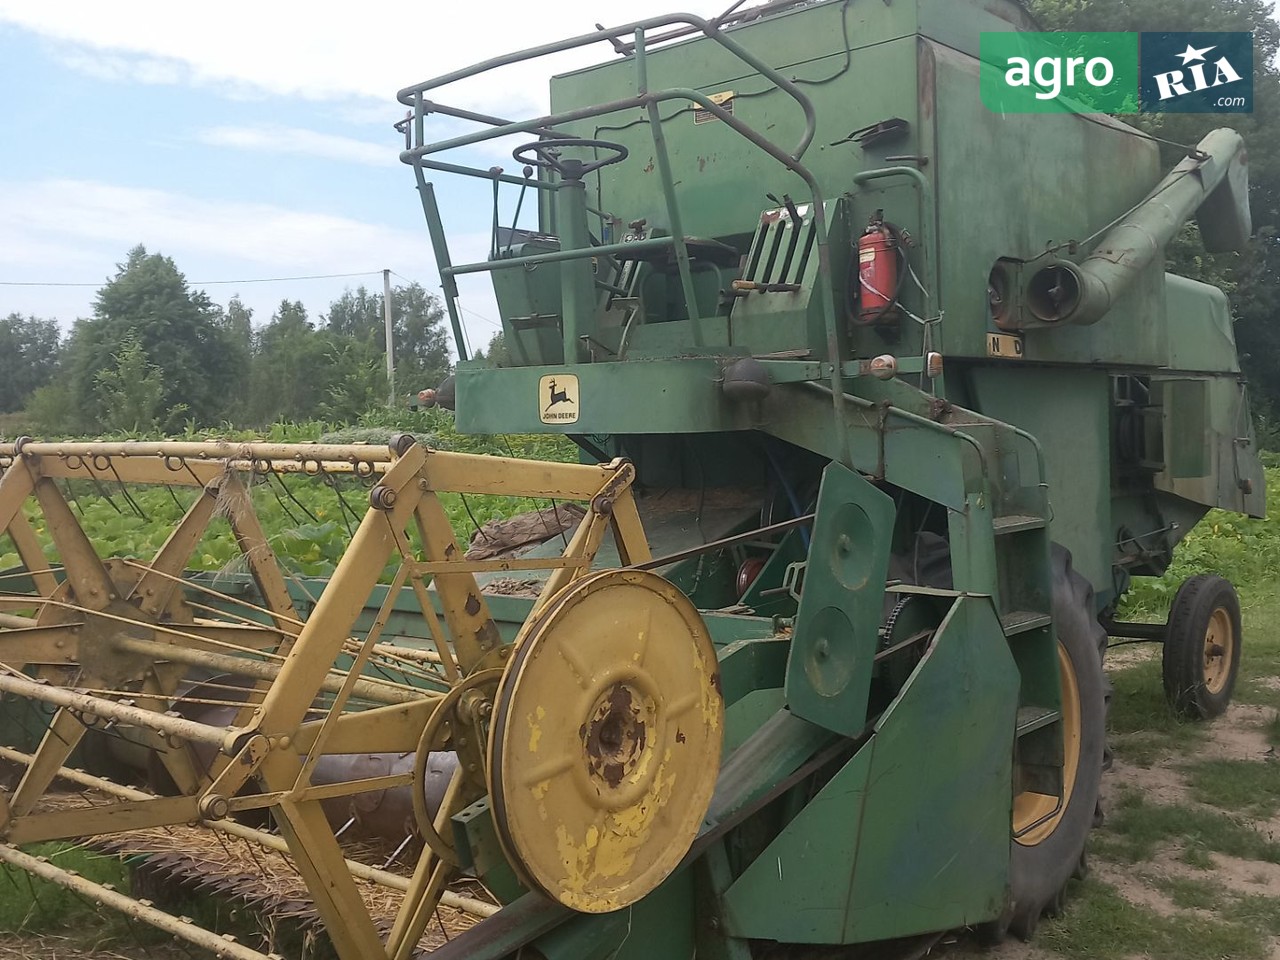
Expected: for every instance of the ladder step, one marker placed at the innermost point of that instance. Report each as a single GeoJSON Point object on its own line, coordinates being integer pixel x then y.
{"type": "Point", "coordinates": [1017, 523]}
{"type": "Point", "coordinates": [1020, 621]}
{"type": "Point", "coordinates": [1033, 718]}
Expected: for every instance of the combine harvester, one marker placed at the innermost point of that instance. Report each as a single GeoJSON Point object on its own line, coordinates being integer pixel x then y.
{"type": "Point", "coordinates": [871, 449]}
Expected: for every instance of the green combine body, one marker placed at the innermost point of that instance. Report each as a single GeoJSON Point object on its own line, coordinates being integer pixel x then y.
{"type": "Point", "coordinates": [1039, 414]}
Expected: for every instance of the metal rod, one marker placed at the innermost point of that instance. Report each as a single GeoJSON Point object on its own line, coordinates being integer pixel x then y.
{"type": "Point", "coordinates": [220, 945]}
{"type": "Point", "coordinates": [430, 106]}
{"type": "Point", "coordinates": [477, 908]}
{"type": "Point", "coordinates": [479, 174]}
{"type": "Point", "coordinates": [378, 691]}
{"type": "Point", "coordinates": [1155, 632]}
{"type": "Point", "coordinates": [440, 245]}
{"type": "Point", "coordinates": [221, 737]}
{"type": "Point", "coordinates": [209, 450]}
{"type": "Point", "coordinates": [412, 96]}
{"type": "Point", "coordinates": [391, 355]}
{"type": "Point", "coordinates": [668, 191]}
{"type": "Point", "coordinates": [605, 250]}
{"type": "Point", "coordinates": [723, 542]}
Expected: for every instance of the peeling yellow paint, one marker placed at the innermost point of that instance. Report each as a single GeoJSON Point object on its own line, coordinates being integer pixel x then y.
{"type": "Point", "coordinates": [593, 846]}
{"type": "Point", "coordinates": [535, 729]}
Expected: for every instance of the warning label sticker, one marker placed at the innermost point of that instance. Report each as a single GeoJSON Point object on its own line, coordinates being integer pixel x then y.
{"type": "Point", "coordinates": [722, 100]}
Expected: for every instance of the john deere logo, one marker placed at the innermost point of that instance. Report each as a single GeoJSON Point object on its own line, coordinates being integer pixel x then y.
{"type": "Point", "coordinates": [558, 398]}
{"type": "Point", "coordinates": [1197, 72]}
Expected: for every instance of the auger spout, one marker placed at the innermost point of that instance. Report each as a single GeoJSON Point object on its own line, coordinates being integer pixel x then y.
{"type": "Point", "coordinates": [1212, 183]}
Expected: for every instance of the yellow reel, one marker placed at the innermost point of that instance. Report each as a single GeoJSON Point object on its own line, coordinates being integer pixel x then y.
{"type": "Point", "coordinates": [606, 740]}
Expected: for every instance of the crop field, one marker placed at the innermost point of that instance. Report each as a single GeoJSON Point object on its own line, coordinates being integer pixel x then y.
{"type": "Point", "coordinates": [1186, 865]}
{"type": "Point", "coordinates": [308, 519]}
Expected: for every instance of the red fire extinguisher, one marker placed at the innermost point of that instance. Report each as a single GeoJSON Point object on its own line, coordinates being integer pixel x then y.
{"type": "Point", "coordinates": [879, 249]}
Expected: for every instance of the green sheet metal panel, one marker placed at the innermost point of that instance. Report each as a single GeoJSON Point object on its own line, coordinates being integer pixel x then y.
{"type": "Point", "coordinates": [836, 633]}
{"type": "Point", "coordinates": [1210, 455]}
{"type": "Point", "coordinates": [1008, 185]}
{"type": "Point", "coordinates": [912, 834]}
{"type": "Point", "coordinates": [1067, 410]}
{"type": "Point", "coordinates": [721, 178]}
{"type": "Point", "coordinates": [999, 180]}
{"type": "Point", "coordinates": [1198, 318]}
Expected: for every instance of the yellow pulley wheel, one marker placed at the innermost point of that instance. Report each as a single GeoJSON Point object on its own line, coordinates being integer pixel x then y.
{"type": "Point", "coordinates": [606, 740]}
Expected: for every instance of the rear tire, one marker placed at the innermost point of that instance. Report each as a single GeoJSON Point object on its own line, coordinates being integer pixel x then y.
{"type": "Point", "coordinates": [1039, 870]}
{"type": "Point", "coordinates": [1202, 647]}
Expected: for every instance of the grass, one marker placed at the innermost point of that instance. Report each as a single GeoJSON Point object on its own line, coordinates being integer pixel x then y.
{"type": "Point", "coordinates": [1258, 910]}
{"type": "Point", "coordinates": [308, 522]}
{"type": "Point", "coordinates": [1136, 830]}
{"type": "Point", "coordinates": [32, 904]}
{"type": "Point", "coordinates": [1197, 857]}
{"type": "Point", "coordinates": [1144, 730]}
{"type": "Point", "coordinates": [1186, 893]}
{"type": "Point", "coordinates": [1246, 786]}
{"type": "Point", "coordinates": [1102, 925]}
{"type": "Point", "coordinates": [1272, 730]}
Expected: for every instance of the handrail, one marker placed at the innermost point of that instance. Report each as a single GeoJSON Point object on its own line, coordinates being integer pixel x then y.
{"type": "Point", "coordinates": [420, 149]}
{"type": "Point", "coordinates": [413, 96]}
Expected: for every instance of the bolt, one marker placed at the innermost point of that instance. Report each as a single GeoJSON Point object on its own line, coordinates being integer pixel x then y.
{"type": "Point", "coordinates": [214, 806]}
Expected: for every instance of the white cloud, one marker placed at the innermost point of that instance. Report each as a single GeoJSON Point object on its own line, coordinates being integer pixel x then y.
{"type": "Point", "coordinates": [78, 231]}
{"type": "Point", "coordinates": [115, 68]}
{"type": "Point", "coordinates": [296, 49]}
{"type": "Point", "coordinates": [295, 140]}
{"type": "Point", "coordinates": [89, 213]}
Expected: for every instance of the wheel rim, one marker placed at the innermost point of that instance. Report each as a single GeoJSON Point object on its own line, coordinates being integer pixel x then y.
{"type": "Point", "coordinates": [1219, 649]}
{"type": "Point", "coordinates": [1036, 815]}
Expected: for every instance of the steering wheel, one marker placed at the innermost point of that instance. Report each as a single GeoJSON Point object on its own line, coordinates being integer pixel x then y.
{"type": "Point", "coordinates": [542, 153]}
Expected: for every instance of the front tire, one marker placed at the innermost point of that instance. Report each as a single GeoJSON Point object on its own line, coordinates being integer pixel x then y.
{"type": "Point", "coordinates": [1202, 647]}
{"type": "Point", "coordinates": [1044, 858]}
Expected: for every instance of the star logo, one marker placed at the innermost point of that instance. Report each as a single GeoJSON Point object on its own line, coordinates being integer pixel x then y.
{"type": "Point", "coordinates": [1191, 53]}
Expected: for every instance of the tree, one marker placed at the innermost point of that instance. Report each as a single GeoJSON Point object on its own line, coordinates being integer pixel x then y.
{"type": "Point", "coordinates": [131, 391]}
{"type": "Point", "coordinates": [179, 331]}
{"type": "Point", "coordinates": [356, 379]}
{"type": "Point", "coordinates": [421, 344]}
{"type": "Point", "coordinates": [287, 369]}
{"type": "Point", "coordinates": [29, 355]}
{"type": "Point", "coordinates": [1251, 278]}
{"type": "Point", "coordinates": [237, 319]}
{"type": "Point", "coordinates": [496, 353]}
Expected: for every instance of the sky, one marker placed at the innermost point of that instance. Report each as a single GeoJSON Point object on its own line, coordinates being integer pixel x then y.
{"type": "Point", "coordinates": [252, 140]}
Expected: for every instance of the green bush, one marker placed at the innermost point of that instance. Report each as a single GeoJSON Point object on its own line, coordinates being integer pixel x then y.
{"type": "Point", "coordinates": [1242, 549]}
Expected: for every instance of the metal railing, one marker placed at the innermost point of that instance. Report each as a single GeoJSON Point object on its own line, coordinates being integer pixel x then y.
{"type": "Point", "coordinates": [421, 154]}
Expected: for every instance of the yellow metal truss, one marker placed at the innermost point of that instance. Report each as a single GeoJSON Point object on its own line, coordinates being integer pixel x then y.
{"type": "Point", "coordinates": [108, 641]}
